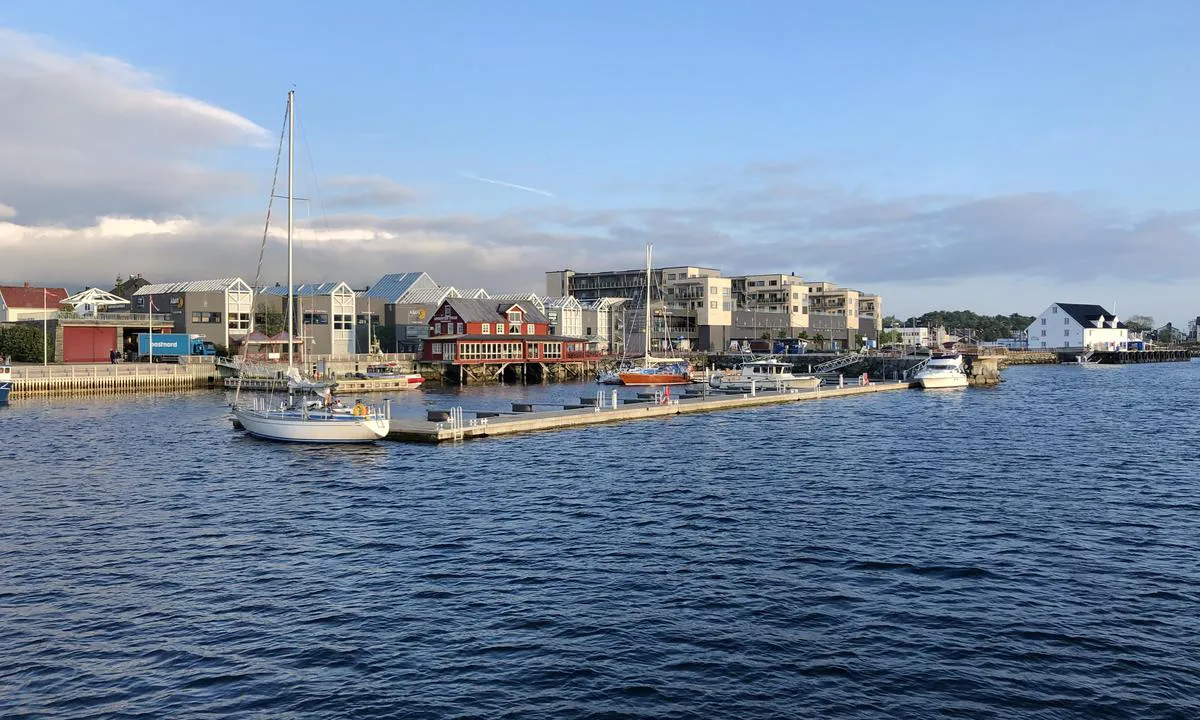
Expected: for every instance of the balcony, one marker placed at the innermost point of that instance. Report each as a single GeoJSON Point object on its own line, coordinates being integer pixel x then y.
{"type": "Point", "coordinates": [125, 318]}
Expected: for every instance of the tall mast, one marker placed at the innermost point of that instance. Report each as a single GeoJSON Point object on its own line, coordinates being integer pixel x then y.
{"type": "Point", "coordinates": [291, 146]}
{"type": "Point", "coordinates": [649, 272]}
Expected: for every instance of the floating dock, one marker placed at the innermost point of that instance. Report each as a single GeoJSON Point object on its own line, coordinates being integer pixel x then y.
{"type": "Point", "coordinates": [522, 422]}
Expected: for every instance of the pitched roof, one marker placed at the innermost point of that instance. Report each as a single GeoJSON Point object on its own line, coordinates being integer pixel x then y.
{"type": "Point", "coordinates": [522, 297]}
{"type": "Point", "coordinates": [567, 301]}
{"type": "Point", "coordinates": [428, 296]}
{"type": "Point", "coordinates": [23, 296]}
{"type": "Point", "coordinates": [220, 285]}
{"type": "Point", "coordinates": [1087, 315]}
{"type": "Point", "coordinates": [305, 289]}
{"type": "Point", "coordinates": [474, 293]}
{"type": "Point", "coordinates": [392, 287]}
{"type": "Point", "coordinates": [491, 310]}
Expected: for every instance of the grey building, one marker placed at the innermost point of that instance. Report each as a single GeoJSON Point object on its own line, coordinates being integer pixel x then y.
{"type": "Point", "coordinates": [218, 310]}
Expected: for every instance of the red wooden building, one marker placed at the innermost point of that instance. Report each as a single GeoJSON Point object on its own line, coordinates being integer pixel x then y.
{"type": "Point", "coordinates": [465, 331]}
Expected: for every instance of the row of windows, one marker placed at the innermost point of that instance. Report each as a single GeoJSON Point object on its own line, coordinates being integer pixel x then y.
{"type": "Point", "coordinates": [1066, 333]}
{"type": "Point", "coordinates": [1066, 321]}
{"type": "Point", "coordinates": [203, 318]}
{"type": "Point", "coordinates": [498, 350]}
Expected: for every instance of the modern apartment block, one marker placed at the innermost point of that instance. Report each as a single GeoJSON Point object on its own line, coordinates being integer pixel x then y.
{"type": "Point", "coordinates": [696, 307]}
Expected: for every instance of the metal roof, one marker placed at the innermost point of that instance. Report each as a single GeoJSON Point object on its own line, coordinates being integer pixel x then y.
{"type": "Point", "coordinates": [222, 285]}
{"type": "Point", "coordinates": [522, 297]}
{"type": "Point", "coordinates": [492, 310]}
{"type": "Point", "coordinates": [306, 289]}
{"type": "Point", "coordinates": [428, 296]}
{"type": "Point", "coordinates": [478, 293]}
{"type": "Point", "coordinates": [392, 287]}
{"type": "Point", "coordinates": [567, 301]}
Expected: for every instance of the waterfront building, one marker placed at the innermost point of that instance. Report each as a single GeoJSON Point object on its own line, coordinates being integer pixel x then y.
{"type": "Point", "coordinates": [532, 298]}
{"type": "Point", "coordinates": [220, 311]}
{"type": "Point", "coordinates": [1072, 325]}
{"type": "Point", "coordinates": [23, 302]}
{"type": "Point", "coordinates": [695, 307]}
{"type": "Point", "coordinates": [467, 331]}
{"type": "Point", "coordinates": [324, 315]}
{"type": "Point", "coordinates": [604, 324]}
{"type": "Point", "coordinates": [565, 315]}
{"type": "Point", "coordinates": [406, 318]}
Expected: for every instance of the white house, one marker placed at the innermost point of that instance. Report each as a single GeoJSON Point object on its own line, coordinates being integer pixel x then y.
{"type": "Point", "coordinates": [1071, 325]}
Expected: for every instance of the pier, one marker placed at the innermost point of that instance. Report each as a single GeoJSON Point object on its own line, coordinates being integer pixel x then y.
{"type": "Point", "coordinates": [110, 378]}
{"type": "Point", "coordinates": [523, 422]}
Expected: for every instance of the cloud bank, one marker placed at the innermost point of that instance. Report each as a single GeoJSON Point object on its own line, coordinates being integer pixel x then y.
{"type": "Point", "coordinates": [104, 172]}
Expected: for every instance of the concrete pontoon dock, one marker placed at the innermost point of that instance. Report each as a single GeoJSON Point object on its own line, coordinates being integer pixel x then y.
{"type": "Point", "coordinates": [521, 422]}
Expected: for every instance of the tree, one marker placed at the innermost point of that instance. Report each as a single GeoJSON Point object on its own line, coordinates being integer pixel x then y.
{"type": "Point", "coordinates": [269, 322]}
{"type": "Point", "coordinates": [1140, 323]}
{"type": "Point", "coordinates": [890, 337]}
{"type": "Point", "coordinates": [891, 321]}
{"type": "Point", "coordinates": [819, 341]}
{"type": "Point", "coordinates": [22, 343]}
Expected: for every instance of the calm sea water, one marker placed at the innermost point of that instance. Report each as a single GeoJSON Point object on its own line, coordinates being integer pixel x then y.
{"type": "Point", "coordinates": [1027, 551]}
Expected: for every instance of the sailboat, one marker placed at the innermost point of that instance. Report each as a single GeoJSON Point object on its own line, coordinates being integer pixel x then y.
{"type": "Point", "coordinates": [655, 371]}
{"type": "Point", "coordinates": [308, 413]}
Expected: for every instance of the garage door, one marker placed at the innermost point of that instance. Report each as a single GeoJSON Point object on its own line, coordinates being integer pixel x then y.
{"type": "Point", "coordinates": [88, 344]}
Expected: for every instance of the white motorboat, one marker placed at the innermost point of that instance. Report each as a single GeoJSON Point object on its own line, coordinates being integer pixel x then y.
{"type": "Point", "coordinates": [943, 371]}
{"type": "Point", "coordinates": [299, 417]}
{"type": "Point", "coordinates": [1087, 359]}
{"type": "Point", "coordinates": [768, 374]}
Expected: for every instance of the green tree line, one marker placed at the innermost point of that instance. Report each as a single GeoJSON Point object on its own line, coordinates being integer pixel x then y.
{"type": "Point", "coordinates": [991, 327]}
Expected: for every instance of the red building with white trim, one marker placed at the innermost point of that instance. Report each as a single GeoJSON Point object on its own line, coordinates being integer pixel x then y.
{"type": "Point", "coordinates": [467, 331]}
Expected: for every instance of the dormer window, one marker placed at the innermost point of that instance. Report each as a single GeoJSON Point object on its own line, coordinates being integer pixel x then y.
{"type": "Point", "coordinates": [514, 316]}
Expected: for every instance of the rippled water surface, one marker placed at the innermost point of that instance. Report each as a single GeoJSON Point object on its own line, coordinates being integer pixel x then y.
{"type": "Point", "coordinates": [1027, 551]}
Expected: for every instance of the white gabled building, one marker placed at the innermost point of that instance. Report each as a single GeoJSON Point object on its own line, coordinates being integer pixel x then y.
{"type": "Point", "coordinates": [1071, 325]}
{"type": "Point", "coordinates": [565, 314]}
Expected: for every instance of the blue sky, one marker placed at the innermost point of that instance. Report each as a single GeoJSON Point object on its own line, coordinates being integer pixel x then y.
{"type": "Point", "coordinates": [630, 107]}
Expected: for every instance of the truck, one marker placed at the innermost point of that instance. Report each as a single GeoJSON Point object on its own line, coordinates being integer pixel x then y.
{"type": "Point", "coordinates": [172, 347]}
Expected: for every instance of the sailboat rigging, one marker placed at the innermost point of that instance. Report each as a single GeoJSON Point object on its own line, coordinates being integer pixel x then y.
{"type": "Point", "coordinates": [308, 414]}
{"type": "Point", "coordinates": [655, 371]}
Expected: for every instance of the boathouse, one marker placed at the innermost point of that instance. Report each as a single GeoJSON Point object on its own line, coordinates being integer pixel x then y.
{"type": "Point", "coordinates": [483, 338]}
{"type": "Point", "coordinates": [1074, 325]}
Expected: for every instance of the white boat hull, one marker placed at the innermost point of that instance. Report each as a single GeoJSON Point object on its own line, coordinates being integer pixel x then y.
{"type": "Point", "coordinates": [943, 380]}
{"type": "Point", "coordinates": [315, 428]}
{"type": "Point", "coordinates": [739, 385]}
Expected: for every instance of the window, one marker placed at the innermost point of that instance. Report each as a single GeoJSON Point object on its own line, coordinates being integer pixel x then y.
{"type": "Point", "coordinates": [1043, 335]}
{"type": "Point", "coordinates": [712, 305]}
{"type": "Point", "coordinates": [671, 276]}
{"type": "Point", "coordinates": [460, 328]}
{"type": "Point", "coordinates": [1067, 333]}
{"type": "Point", "coordinates": [437, 328]}
{"type": "Point", "coordinates": [774, 282]}
{"type": "Point", "coordinates": [712, 290]}
{"type": "Point", "coordinates": [311, 318]}
{"type": "Point", "coordinates": [239, 321]}
{"type": "Point", "coordinates": [795, 308]}
{"type": "Point", "coordinates": [514, 316]}
{"type": "Point", "coordinates": [1043, 321]}
{"type": "Point", "coordinates": [487, 329]}
{"type": "Point", "coordinates": [725, 306]}
{"type": "Point", "coordinates": [1054, 309]}
{"type": "Point", "coordinates": [343, 322]}
{"type": "Point", "coordinates": [1066, 321]}
{"type": "Point", "coordinates": [529, 329]}
{"type": "Point", "coordinates": [499, 328]}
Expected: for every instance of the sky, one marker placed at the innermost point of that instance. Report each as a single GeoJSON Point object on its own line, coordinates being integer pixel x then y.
{"type": "Point", "coordinates": [995, 157]}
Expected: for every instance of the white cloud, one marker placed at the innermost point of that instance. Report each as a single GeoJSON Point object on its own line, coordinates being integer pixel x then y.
{"type": "Point", "coordinates": [84, 136]}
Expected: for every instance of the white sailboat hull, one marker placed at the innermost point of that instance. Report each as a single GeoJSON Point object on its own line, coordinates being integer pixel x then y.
{"type": "Point", "coordinates": [290, 426]}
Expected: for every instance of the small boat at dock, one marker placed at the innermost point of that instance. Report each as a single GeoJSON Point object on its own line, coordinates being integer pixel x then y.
{"type": "Point", "coordinates": [943, 371]}
{"type": "Point", "coordinates": [766, 374]}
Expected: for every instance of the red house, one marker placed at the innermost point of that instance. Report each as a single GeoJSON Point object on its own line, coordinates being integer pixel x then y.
{"type": "Point", "coordinates": [465, 331]}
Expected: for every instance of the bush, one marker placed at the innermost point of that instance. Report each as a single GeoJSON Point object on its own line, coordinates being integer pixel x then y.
{"type": "Point", "coordinates": [22, 343]}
